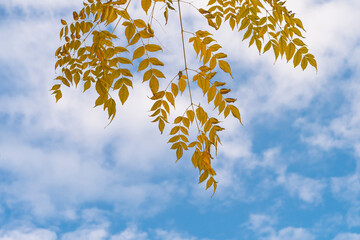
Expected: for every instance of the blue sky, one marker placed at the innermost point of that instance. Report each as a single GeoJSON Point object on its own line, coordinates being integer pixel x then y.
{"type": "Point", "coordinates": [290, 173]}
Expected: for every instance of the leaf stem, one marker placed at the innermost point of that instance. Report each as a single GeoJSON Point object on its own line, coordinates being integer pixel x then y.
{"type": "Point", "coordinates": [185, 63]}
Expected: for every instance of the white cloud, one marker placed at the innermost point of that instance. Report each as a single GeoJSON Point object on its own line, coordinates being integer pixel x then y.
{"type": "Point", "coordinates": [130, 233]}
{"type": "Point", "coordinates": [172, 235]}
{"type": "Point", "coordinates": [72, 168]}
{"type": "Point", "coordinates": [293, 234]}
{"type": "Point", "coordinates": [307, 189]}
{"type": "Point", "coordinates": [27, 234]}
{"type": "Point", "coordinates": [264, 227]}
{"type": "Point", "coordinates": [347, 236]}
{"type": "Point", "coordinates": [92, 233]}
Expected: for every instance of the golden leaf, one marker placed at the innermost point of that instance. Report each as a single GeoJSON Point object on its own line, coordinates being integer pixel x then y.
{"type": "Point", "coordinates": [182, 84]}
{"type": "Point", "coordinates": [145, 4]}
{"type": "Point", "coordinates": [170, 98]}
{"type": "Point", "coordinates": [290, 51]}
{"type": "Point", "coordinates": [143, 64]}
{"type": "Point", "coordinates": [203, 176]}
{"type": "Point", "coordinates": [123, 94]}
{"type": "Point", "coordinates": [235, 112]}
{"type": "Point", "coordinates": [225, 67]}
{"type": "Point", "coordinates": [191, 115]}
{"type": "Point", "coordinates": [304, 63]}
{"type": "Point", "coordinates": [138, 53]}
{"type": "Point", "coordinates": [161, 126]}
{"type": "Point", "coordinates": [179, 153]}
{"type": "Point", "coordinates": [209, 182]}
{"type": "Point", "coordinates": [139, 23]}
{"type": "Point", "coordinates": [174, 89]}
{"type": "Point", "coordinates": [174, 130]}
{"type": "Point", "coordinates": [154, 84]}
{"type": "Point", "coordinates": [152, 47]}
{"type": "Point", "coordinates": [297, 58]}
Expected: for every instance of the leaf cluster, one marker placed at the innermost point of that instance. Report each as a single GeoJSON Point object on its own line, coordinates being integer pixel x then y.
{"type": "Point", "coordinates": [96, 56]}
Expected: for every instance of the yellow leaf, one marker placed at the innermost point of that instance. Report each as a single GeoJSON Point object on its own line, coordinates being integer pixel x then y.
{"type": "Point", "coordinates": [203, 176]}
{"type": "Point", "coordinates": [225, 67]}
{"type": "Point", "coordinates": [170, 98]}
{"type": "Point", "coordinates": [143, 64]}
{"type": "Point", "coordinates": [267, 46]}
{"type": "Point", "coordinates": [182, 84]}
{"type": "Point", "coordinates": [191, 115]}
{"type": "Point", "coordinates": [129, 31]}
{"type": "Point", "coordinates": [152, 47]}
{"type": "Point", "coordinates": [211, 93]}
{"type": "Point", "coordinates": [186, 122]}
{"type": "Point", "coordinates": [312, 62]}
{"type": "Point", "coordinates": [154, 84]}
{"type": "Point", "coordinates": [158, 73]}
{"type": "Point", "coordinates": [174, 89]}
{"type": "Point", "coordinates": [174, 138]}
{"type": "Point", "coordinates": [139, 52]}
{"type": "Point", "coordinates": [192, 144]}
{"type": "Point", "coordinates": [156, 62]}
{"type": "Point", "coordinates": [68, 74]}
{"type": "Point", "coordinates": [147, 75]}
{"type": "Point", "coordinates": [145, 4]}
{"type": "Point", "coordinates": [298, 42]}
{"type": "Point", "coordinates": [174, 130]}
{"type": "Point", "coordinates": [179, 153]}
{"type": "Point", "coordinates": [162, 126]}
{"type": "Point", "coordinates": [235, 112]}
{"type": "Point", "coordinates": [87, 85]}
{"type": "Point", "coordinates": [215, 186]}
{"type": "Point", "coordinates": [75, 16]}
{"type": "Point", "coordinates": [304, 63]}
{"type": "Point", "coordinates": [297, 58]}
{"type": "Point", "coordinates": [58, 95]}
{"type": "Point", "coordinates": [209, 182]}
{"type": "Point", "coordinates": [123, 94]}
{"type": "Point", "coordinates": [140, 23]}
{"type": "Point", "coordinates": [212, 63]}
{"type": "Point", "coordinates": [290, 51]}
{"type": "Point", "coordinates": [195, 157]}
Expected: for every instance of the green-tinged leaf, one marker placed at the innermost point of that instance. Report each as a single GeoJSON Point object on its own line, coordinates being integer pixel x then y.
{"type": "Point", "coordinates": [297, 58]}
{"type": "Point", "coordinates": [312, 62]}
{"type": "Point", "coordinates": [267, 46]}
{"type": "Point", "coordinates": [304, 63]}
{"type": "Point", "coordinates": [298, 42]}
{"type": "Point", "coordinates": [290, 50]}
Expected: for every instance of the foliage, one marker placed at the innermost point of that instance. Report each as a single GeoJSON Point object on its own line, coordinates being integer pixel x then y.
{"type": "Point", "coordinates": [105, 62]}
